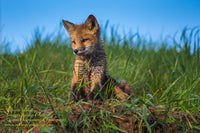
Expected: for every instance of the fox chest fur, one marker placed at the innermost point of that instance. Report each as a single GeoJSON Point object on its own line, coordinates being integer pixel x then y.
{"type": "Point", "coordinates": [89, 73]}
{"type": "Point", "coordinates": [87, 67]}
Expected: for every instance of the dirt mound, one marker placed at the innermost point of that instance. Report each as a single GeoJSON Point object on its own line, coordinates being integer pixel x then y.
{"type": "Point", "coordinates": [76, 115]}
{"type": "Point", "coordinates": [132, 121]}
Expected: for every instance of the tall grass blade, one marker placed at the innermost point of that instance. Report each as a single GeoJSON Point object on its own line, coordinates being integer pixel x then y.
{"type": "Point", "coordinates": [145, 117]}
{"type": "Point", "coordinates": [169, 88]}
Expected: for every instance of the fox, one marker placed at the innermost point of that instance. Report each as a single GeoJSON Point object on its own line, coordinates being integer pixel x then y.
{"type": "Point", "coordinates": [90, 80]}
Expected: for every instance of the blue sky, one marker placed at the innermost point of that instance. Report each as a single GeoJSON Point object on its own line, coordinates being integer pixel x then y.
{"type": "Point", "coordinates": [157, 18]}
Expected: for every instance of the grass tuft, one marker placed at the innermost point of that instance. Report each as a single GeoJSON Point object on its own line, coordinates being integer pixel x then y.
{"type": "Point", "coordinates": [164, 77]}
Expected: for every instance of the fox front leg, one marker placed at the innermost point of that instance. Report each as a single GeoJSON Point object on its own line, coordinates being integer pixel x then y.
{"type": "Point", "coordinates": [96, 83]}
{"type": "Point", "coordinates": [75, 94]}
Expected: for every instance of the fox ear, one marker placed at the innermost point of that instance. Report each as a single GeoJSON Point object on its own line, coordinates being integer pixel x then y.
{"type": "Point", "coordinates": [70, 27]}
{"type": "Point", "coordinates": [91, 23]}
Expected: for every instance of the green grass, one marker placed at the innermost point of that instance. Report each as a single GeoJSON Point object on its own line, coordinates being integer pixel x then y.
{"type": "Point", "coordinates": [163, 75]}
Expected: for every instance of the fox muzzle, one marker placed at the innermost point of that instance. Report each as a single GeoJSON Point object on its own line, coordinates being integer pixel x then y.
{"type": "Point", "coordinates": [79, 51]}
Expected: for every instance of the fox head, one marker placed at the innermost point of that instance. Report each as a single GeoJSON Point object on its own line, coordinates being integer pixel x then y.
{"type": "Point", "coordinates": [84, 37]}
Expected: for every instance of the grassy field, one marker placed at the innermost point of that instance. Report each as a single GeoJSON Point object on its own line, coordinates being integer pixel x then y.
{"type": "Point", "coordinates": [164, 77]}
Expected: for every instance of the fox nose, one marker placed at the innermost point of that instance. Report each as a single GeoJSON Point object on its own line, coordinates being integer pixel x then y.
{"type": "Point", "coordinates": [75, 51]}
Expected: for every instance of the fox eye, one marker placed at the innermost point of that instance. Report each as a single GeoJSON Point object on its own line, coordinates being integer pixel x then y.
{"type": "Point", "coordinates": [84, 40]}
{"type": "Point", "coordinates": [73, 42]}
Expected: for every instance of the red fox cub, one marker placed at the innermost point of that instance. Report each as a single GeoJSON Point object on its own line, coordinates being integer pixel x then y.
{"type": "Point", "coordinates": [90, 79]}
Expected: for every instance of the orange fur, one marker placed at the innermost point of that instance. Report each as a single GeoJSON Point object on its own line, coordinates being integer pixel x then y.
{"type": "Point", "coordinates": [90, 63]}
